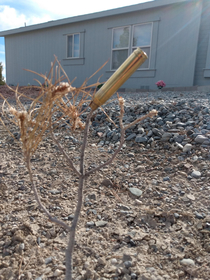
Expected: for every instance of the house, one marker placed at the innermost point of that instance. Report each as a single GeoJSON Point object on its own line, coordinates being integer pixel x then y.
{"type": "Point", "coordinates": [174, 34]}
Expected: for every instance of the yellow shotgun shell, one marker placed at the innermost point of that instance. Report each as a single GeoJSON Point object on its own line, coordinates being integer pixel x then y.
{"type": "Point", "coordinates": [129, 66]}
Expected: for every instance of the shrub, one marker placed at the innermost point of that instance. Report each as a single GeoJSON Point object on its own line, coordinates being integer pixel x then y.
{"type": "Point", "coordinates": [2, 81]}
{"type": "Point", "coordinates": [54, 101]}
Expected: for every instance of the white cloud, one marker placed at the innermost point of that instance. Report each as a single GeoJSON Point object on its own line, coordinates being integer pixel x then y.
{"type": "Point", "coordinates": [10, 18]}
{"type": "Point", "coordinates": [65, 8]}
{"type": "Point", "coordinates": [38, 11]}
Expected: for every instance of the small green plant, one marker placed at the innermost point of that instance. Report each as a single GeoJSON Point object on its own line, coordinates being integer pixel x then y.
{"type": "Point", "coordinates": [2, 81]}
{"type": "Point", "coordinates": [99, 86]}
{"type": "Point", "coordinates": [38, 120]}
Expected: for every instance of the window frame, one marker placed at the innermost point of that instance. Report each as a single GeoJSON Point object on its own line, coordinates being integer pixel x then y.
{"type": "Point", "coordinates": [206, 70]}
{"type": "Point", "coordinates": [130, 44]}
{"type": "Point", "coordinates": [119, 49]}
{"type": "Point", "coordinates": [67, 36]}
{"type": "Point", "coordinates": [142, 47]}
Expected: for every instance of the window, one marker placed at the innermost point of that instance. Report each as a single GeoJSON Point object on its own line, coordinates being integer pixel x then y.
{"type": "Point", "coordinates": [142, 35]}
{"type": "Point", "coordinates": [123, 43]}
{"type": "Point", "coordinates": [120, 48]}
{"type": "Point", "coordinates": [73, 46]}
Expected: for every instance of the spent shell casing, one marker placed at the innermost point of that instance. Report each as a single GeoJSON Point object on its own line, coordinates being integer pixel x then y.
{"type": "Point", "coordinates": [129, 66]}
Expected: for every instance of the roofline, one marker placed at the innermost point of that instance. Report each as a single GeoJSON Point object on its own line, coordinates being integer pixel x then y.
{"type": "Point", "coordinates": [112, 12]}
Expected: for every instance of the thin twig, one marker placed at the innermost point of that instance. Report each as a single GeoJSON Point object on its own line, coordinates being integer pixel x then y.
{"type": "Point", "coordinates": [149, 115]}
{"type": "Point", "coordinates": [71, 164]}
{"type": "Point", "coordinates": [122, 138]}
{"type": "Point", "coordinates": [52, 219]}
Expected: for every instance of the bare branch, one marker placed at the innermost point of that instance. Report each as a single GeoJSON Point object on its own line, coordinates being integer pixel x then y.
{"type": "Point", "coordinates": [52, 219]}
{"type": "Point", "coordinates": [70, 162]}
{"type": "Point", "coordinates": [70, 248]}
{"type": "Point", "coordinates": [122, 138]}
{"type": "Point", "coordinates": [149, 115]}
{"type": "Point", "coordinates": [82, 155]}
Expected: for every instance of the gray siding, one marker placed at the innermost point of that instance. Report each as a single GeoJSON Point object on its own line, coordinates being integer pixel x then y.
{"type": "Point", "coordinates": [203, 46]}
{"type": "Point", "coordinates": [174, 45]}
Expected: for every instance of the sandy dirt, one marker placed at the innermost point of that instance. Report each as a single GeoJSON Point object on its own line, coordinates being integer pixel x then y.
{"type": "Point", "coordinates": [119, 236]}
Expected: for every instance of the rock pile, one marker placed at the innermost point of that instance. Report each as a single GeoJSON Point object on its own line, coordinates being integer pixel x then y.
{"type": "Point", "coordinates": [180, 124]}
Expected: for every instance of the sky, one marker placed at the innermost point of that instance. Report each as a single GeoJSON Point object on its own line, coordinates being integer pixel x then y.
{"type": "Point", "coordinates": [17, 13]}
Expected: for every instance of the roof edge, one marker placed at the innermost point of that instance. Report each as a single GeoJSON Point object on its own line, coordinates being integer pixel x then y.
{"type": "Point", "coordinates": [106, 13]}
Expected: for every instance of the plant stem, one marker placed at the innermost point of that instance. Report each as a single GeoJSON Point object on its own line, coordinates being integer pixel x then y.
{"type": "Point", "coordinates": [70, 248]}
{"type": "Point", "coordinates": [51, 218]}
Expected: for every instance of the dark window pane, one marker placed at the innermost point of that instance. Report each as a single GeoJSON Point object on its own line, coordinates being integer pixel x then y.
{"type": "Point", "coordinates": [70, 43]}
{"type": "Point", "coordinates": [118, 57]}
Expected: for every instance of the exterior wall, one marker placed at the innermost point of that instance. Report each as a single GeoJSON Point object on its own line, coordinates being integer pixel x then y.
{"type": "Point", "coordinates": [173, 52]}
{"type": "Point", "coordinates": [202, 70]}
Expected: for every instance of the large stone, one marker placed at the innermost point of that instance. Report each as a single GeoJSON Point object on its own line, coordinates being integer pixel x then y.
{"type": "Point", "coordinates": [149, 134]}
{"type": "Point", "coordinates": [157, 132]}
{"type": "Point", "coordinates": [115, 136]}
{"type": "Point", "coordinates": [140, 139]}
{"type": "Point", "coordinates": [136, 192]}
{"type": "Point", "coordinates": [106, 182]}
{"type": "Point", "coordinates": [187, 148]}
{"type": "Point", "coordinates": [166, 136]}
{"type": "Point", "coordinates": [130, 137]}
{"type": "Point", "coordinates": [187, 262]}
{"type": "Point", "coordinates": [196, 174]}
{"type": "Point", "coordinates": [200, 139]}
{"type": "Point", "coordinates": [101, 223]}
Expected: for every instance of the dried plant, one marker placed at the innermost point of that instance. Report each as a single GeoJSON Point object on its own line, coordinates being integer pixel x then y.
{"type": "Point", "coordinates": [57, 96]}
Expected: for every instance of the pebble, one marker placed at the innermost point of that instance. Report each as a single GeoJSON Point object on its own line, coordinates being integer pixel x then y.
{"type": "Point", "coordinates": [127, 264]}
{"type": "Point", "coordinates": [196, 174]}
{"type": "Point", "coordinates": [114, 261]}
{"type": "Point", "coordinates": [135, 191]}
{"type": "Point", "coordinates": [106, 182]}
{"type": "Point", "coordinates": [133, 276]}
{"type": "Point", "coordinates": [166, 179]}
{"type": "Point", "coordinates": [187, 148]}
{"type": "Point", "coordinates": [90, 224]}
{"type": "Point", "coordinates": [200, 139]}
{"type": "Point", "coordinates": [187, 262]}
{"type": "Point", "coordinates": [101, 223]}
{"type": "Point", "coordinates": [57, 272]}
{"type": "Point", "coordinates": [198, 215]}
{"type": "Point", "coordinates": [191, 196]}
{"type": "Point", "coordinates": [48, 260]}
{"type": "Point", "coordinates": [176, 215]}
{"type": "Point", "coordinates": [131, 136]}
{"type": "Point", "coordinates": [140, 139]}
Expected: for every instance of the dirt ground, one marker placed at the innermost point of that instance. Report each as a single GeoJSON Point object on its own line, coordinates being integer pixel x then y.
{"type": "Point", "coordinates": [162, 234]}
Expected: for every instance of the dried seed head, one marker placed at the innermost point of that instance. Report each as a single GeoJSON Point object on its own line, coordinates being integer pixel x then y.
{"type": "Point", "coordinates": [62, 89]}
{"type": "Point", "coordinates": [121, 101]}
{"type": "Point", "coordinates": [153, 113]}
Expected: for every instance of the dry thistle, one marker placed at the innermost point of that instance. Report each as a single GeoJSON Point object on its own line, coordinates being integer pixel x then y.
{"type": "Point", "coordinates": [35, 122]}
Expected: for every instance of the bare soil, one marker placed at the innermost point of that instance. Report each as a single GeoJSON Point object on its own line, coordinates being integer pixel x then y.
{"type": "Point", "coordinates": [144, 238]}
